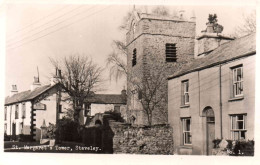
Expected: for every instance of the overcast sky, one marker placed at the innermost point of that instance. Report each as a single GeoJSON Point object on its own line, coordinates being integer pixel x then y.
{"type": "Point", "coordinates": [35, 32]}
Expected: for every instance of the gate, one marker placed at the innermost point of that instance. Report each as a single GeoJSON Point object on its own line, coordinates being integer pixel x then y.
{"type": "Point", "coordinates": [99, 136]}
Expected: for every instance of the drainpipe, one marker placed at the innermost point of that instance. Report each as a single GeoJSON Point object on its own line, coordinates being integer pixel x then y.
{"type": "Point", "coordinates": [220, 102]}
{"type": "Point", "coordinates": [199, 91]}
{"type": "Point", "coordinates": [10, 120]}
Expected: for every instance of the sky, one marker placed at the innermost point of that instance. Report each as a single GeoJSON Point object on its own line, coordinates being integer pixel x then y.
{"type": "Point", "coordinates": [36, 32]}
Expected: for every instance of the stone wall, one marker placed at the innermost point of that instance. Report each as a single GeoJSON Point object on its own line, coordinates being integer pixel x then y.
{"type": "Point", "coordinates": [142, 140]}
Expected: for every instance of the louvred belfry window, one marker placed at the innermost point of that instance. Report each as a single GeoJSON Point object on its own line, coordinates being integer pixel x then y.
{"type": "Point", "coordinates": [171, 53]}
{"type": "Point", "coordinates": [134, 58]}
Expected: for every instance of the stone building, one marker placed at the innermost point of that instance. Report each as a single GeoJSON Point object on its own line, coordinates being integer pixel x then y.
{"type": "Point", "coordinates": [213, 97]}
{"type": "Point", "coordinates": [154, 42]}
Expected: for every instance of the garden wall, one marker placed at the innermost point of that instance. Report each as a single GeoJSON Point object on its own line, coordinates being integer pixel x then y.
{"type": "Point", "coordinates": [142, 140]}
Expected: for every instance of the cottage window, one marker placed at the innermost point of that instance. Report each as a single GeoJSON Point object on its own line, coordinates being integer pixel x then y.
{"type": "Point", "coordinates": [23, 111]}
{"type": "Point", "coordinates": [87, 110]}
{"type": "Point", "coordinates": [60, 108]}
{"type": "Point", "coordinates": [134, 58]}
{"type": "Point", "coordinates": [238, 127]}
{"type": "Point", "coordinates": [21, 128]}
{"type": "Point", "coordinates": [186, 131]}
{"type": "Point", "coordinates": [170, 51]}
{"type": "Point", "coordinates": [185, 92]}
{"type": "Point", "coordinates": [237, 81]}
{"type": "Point", "coordinates": [17, 111]}
{"type": "Point", "coordinates": [5, 129]}
{"type": "Point", "coordinates": [5, 113]}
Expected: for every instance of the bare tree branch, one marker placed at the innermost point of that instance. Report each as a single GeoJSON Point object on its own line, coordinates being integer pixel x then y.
{"type": "Point", "coordinates": [79, 78]}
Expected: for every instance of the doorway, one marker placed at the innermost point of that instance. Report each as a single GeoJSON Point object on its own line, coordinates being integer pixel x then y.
{"type": "Point", "coordinates": [14, 131]}
{"type": "Point", "coordinates": [210, 129]}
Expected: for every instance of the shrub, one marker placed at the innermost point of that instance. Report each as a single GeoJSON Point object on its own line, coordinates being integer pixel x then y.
{"type": "Point", "coordinates": [241, 148]}
{"type": "Point", "coordinates": [237, 147]}
{"type": "Point", "coordinates": [68, 130]}
{"type": "Point", "coordinates": [6, 137]}
{"type": "Point", "coordinates": [51, 131]}
{"type": "Point", "coordinates": [216, 143]}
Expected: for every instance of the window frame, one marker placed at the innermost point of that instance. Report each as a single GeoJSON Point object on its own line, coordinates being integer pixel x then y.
{"type": "Point", "coordinates": [17, 111]}
{"type": "Point", "coordinates": [5, 114]}
{"type": "Point", "coordinates": [23, 110]}
{"type": "Point", "coordinates": [5, 128]}
{"type": "Point", "coordinates": [170, 52]}
{"type": "Point", "coordinates": [185, 97]}
{"type": "Point", "coordinates": [87, 109]}
{"type": "Point", "coordinates": [184, 131]}
{"type": "Point", "coordinates": [236, 92]}
{"type": "Point", "coordinates": [237, 130]}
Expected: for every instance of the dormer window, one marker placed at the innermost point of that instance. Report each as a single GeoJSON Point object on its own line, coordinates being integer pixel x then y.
{"type": "Point", "coordinates": [134, 58]}
{"type": "Point", "coordinates": [170, 52]}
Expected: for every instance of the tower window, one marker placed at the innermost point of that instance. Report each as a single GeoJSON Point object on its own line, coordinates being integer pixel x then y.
{"type": "Point", "coordinates": [134, 58]}
{"type": "Point", "coordinates": [170, 51]}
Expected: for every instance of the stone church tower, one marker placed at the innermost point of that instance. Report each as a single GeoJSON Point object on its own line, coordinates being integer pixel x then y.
{"type": "Point", "coordinates": [155, 42]}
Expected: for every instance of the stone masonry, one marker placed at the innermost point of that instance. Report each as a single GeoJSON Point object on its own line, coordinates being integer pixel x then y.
{"type": "Point", "coordinates": [149, 34]}
{"type": "Point", "coordinates": [142, 140]}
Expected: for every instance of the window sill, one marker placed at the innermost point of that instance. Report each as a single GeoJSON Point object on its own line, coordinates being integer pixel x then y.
{"type": "Point", "coordinates": [236, 98]}
{"type": "Point", "coordinates": [185, 106]}
{"type": "Point", "coordinates": [186, 146]}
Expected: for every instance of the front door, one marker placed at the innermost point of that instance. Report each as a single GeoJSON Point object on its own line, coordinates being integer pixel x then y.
{"type": "Point", "coordinates": [14, 131]}
{"type": "Point", "coordinates": [210, 134]}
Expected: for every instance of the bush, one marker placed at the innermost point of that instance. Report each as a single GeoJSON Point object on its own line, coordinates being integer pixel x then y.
{"type": "Point", "coordinates": [6, 137]}
{"type": "Point", "coordinates": [216, 143]}
{"type": "Point", "coordinates": [241, 148]}
{"type": "Point", "coordinates": [51, 131]}
{"type": "Point", "coordinates": [237, 147]}
{"type": "Point", "coordinates": [68, 130]}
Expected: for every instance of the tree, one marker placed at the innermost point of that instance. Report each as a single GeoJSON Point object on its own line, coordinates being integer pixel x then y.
{"type": "Point", "coordinates": [117, 60]}
{"type": "Point", "coordinates": [248, 26]}
{"type": "Point", "coordinates": [161, 10]}
{"type": "Point", "coordinates": [79, 77]}
{"type": "Point", "coordinates": [217, 28]}
{"type": "Point", "coordinates": [151, 90]}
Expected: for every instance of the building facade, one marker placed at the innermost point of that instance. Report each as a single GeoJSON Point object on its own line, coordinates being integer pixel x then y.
{"type": "Point", "coordinates": [155, 45]}
{"type": "Point", "coordinates": [25, 112]}
{"type": "Point", "coordinates": [213, 97]}
{"type": "Point", "coordinates": [101, 103]}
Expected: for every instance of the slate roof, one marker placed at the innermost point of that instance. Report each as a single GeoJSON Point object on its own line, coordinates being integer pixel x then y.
{"type": "Point", "coordinates": [26, 95]}
{"type": "Point", "coordinates": [107, 99]}
{"type": "Point", "coordinates": [238, 48]}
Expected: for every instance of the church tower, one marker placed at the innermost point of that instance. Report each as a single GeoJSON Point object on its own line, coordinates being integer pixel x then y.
{"type": "Point", "coordinates": [155, 42]}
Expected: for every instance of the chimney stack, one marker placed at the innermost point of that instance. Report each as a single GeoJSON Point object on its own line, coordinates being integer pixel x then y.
{"type": "Point", "coordinates": [36, 83]}
{"type": "Point", "coordinates": [210, 39]}
{"type": "Point", "coordinates": [13, 90]}
{"type": "Point", "coordinates": [55, 78]}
